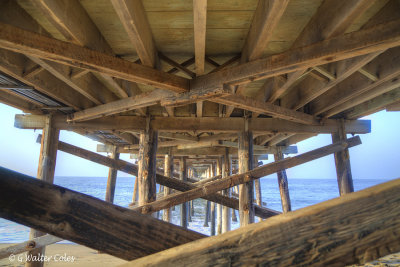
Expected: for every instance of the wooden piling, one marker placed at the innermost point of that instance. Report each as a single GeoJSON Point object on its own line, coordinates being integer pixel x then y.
{"type": "Point", "coordinates": [112, 178]}
{"type": "Point", "coordinates": [283, 183]}
{"type": "Point", "coordinates": [257, 188]}
{"type": "Point", "coordinates": [168, 171]}
{"type": "Point", "coordinates": [147, 165]}
{"type": "Point", "coordinates": [46, 168]}
{"type": "Point", "coordinates": [246, 205]}
{"type": "Point", "coordinates": [226, 211]}
{"type": "Point", "coordinates": [219, 206]}
{"type": "Point", "coordinates": [213, 206]}
{"type": "Point", "coordinates": [342, 162]}
{"type": "Point", "coordinates": [183, 177]}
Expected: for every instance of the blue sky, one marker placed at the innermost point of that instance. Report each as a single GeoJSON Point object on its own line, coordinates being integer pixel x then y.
{"type": "Point", "coordinates": [376, 158]}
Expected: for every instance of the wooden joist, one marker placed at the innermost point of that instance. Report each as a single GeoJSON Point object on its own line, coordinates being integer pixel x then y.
{"type": "Point", "coordinates": [161, 179]}
{"type": "Point", "coordinates": [258, 106]}
{"type": "Point", "coordinates": [206, 124]}
{"type": "Point", "coordinates": [33, 44]}
{"type": "Point", "coordinates": [355, 228]}
{"type": "Point", "coordinates": [247, 176]}
{"type": "Point", "coordinates": [84, 219]}
{"type": "Point", "coordinates": [199, 25]}
{"type": "Point", "coordinates": [380, 37]}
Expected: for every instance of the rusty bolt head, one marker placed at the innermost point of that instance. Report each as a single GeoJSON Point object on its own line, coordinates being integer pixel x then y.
{"type": "Point", "coordinates": [31, 244]}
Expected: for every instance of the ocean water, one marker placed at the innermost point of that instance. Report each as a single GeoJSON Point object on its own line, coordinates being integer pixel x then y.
{"type": "Point", "coordinates": [303, 193]}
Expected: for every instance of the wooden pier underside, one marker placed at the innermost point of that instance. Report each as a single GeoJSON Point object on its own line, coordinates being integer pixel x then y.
{"type": "Point", "coordinates": [200, 83]}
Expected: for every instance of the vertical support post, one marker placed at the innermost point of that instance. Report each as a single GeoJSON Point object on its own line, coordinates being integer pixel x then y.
{"type": "Point", "coordinates": [283, 183]}
{"type": "Point", "coordinates": [112, 177]}
{"type": "Point", "coordinates": [135, 196]}
{"type": "Point", "coordinates": [147, 165]}
{"type": "Point", "coordinates": [257, 187]}
{"type": "Point", "coordinates": [207, 206]}
{"type": "Point", "coordinates": [219, 206]}
{"type": "Point", "coordinates": [212, 208]}
{"type": "Point", "coordinates": [342, 162]}
{"type": "Point", "coordinates": [246, 190]}
{"type": "Point", "coordinates": [183, 177]}
{"type": "Point", "coordinates": [226, 212]}
{"type": "Point", "coordinates": [46, 169]}
{"type": "Point", "coordinates": [168, 171]}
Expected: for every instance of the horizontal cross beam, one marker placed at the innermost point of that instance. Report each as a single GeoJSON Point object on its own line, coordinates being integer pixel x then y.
{"type": "Point", "coordinates": [205, 124]}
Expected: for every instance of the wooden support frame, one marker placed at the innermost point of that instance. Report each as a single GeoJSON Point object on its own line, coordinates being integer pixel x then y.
{"type": "Point", "coordinates": [184, 206]}
{"type": "Point", "coordinates": [244, 177]}
{"type": "Point", "coordinates": [112, 178]}
{"type": "Point", "coordinates": [199, 22]}
{"type": "Point", "coordinates": [262, 243]}
{"type": "Point", "coordinates": [168, 171]}
{"type": "Point", "coordinates": [184, 124]}
{"type": "Point", "coordinates": [283, 184]}
{"type": "Point", "coordinates": [161, 179]}
{"type": "Point", "coordinates": [226, 211]}
{"type": "Point", "coordinates": [100, 225]}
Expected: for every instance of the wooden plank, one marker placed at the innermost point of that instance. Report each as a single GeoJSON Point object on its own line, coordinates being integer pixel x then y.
{"type": "Point", "coordinates": [19, 102]}
{"type": "Point", "coordinates": [267, 15]}
{"type": "Point", "coordinates": [258, 106]}
{"type": "Point", "coordinates": [163, 180]}
{"type": "Point", "coordinates": [330, 20]}
{"type": "Point", "coordinates": [45, 172]}
{"type": "Point", "coordinates": [29, 245]}
{"type": "Point", "coordinates": [283, 184]}
{"type": "Point", "coordinates": [122, 105]}
{"type": "Point", "coordinates": [135, 22]}
{"type": "Point", "coordinates": [100, 225]}
{"type": "Point", "coordinates": [199, 28]}
{"type": "Point", "coordinates": [205, 124]}
{"type": "Point", "coordinates": [263, 243]}
{"type": "Point", "coordinates": [380, 37]}
{"type": "Point", "coordinates": [342, 163]}
{"type": "Point", "coordinates": [393, 107]}
{"type": "Point", "coordinates": [176, 65]}
{"type": "Point", "coordinates": [33, 44]}
{"type": "Point", "coordinates": [241, 178]}
{"type": "Point", "coordinates": [246, 189]}
{"type": "Point", "coordinates": [112, 178]}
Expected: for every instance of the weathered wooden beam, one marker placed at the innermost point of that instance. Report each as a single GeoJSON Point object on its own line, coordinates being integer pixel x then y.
{"type": "Point", "coordinates": [393, 106]}
{"type": "Point", "coordinates": [100, 225]}
{"type": "Point", "coordinates": [147, 164]}
{"type": "Point", "coordinates": [226, 211]}
{"type": "Point", "coordinates": [246, 189]}
{"type": "Point", "coordinates": [184, 124]}
{"type": "Point", "coordinates": [29, 245]}
{"type": "Point", "coordinates": [112, 178]}
{"type": "Point", "coordinates": [122, 105]}
{"type": "Point", "coordinates": [46, 169]}
{"type": "Point", "coordinates": [240, 178]}
{"type": "Point", "coordinates": [342, 163]}
{"type": "Point", "coordinates": [258, 106]}
{"type": "Point", "coordinates": [161, 179]}
{"type": "Point", "coordinates": [380, 37]}
{"type": "Point", "coordinates": [33, 44]}
{"type": "Point", "coordinates": [19, 102]}
{"type": "Point", "coordinates": [331, 228]}
{"type": "Point", "coordinates": [184, 206]}
{"type": "Point", "coordinates": [134, 19]}
{"type": "Point", "coordinates": [199, 28]}
{"type": "Point", "coordinates": [283, 184]}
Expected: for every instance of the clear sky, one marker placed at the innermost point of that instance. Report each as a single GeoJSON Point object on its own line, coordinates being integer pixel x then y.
{"type": "Point", "coordinates": [377, 158]}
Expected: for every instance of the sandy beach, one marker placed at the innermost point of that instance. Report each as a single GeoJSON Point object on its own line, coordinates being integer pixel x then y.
{"type": "Point", "coordinates": [81, 256]}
